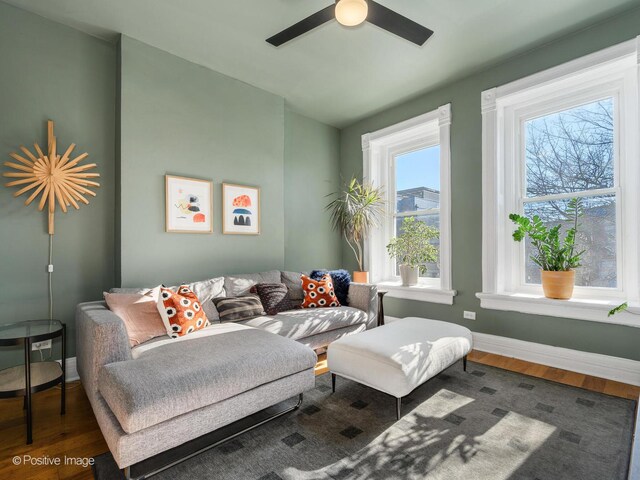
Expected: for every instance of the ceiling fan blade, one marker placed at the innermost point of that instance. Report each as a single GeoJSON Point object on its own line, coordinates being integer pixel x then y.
{"type": "Point", "coordinates": [397, 24]}
{"type": "Point", "coordinates": [309, 23]}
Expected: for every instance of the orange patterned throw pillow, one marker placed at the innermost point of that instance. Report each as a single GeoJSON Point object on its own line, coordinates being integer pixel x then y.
{"type": "Point", "coordinates": [181, 311]}
{"type": "Point", "coordinates": [318, 293]}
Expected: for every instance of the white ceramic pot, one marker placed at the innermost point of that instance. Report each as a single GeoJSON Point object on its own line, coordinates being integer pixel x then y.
{"type": "Point", "coordinates": [409, 275]}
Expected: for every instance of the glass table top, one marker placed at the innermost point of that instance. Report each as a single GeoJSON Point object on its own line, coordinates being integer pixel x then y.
{"type": "Point", "coordinates": [29, 328]}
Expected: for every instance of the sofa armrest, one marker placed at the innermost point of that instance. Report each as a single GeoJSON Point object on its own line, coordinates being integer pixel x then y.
{"type": "Point", "coordinates": [101, 338]}
{"type": "Point", "coordinates": [364, 297]}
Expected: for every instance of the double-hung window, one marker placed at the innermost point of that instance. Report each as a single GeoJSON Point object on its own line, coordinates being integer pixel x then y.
{"type": "Point", "coordinates": [415, 193]}
{"type": "Point", "coordinates": [573, 154]}
{"type": "Point", "coordinates": [411, 162]}
{"type": "Point", "coordinates": [567, 133]}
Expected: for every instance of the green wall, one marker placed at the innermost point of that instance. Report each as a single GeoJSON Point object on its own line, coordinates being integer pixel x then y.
{"type": "Point", "coordinates": [466, 171]}
{"type": "Point", "coordinates": [183, 119]}
{"type": "Point", "coordinates": [172, 116]}
{"type": "Point", "coordinates": [311, 172]}
{"type": "Point", "coordinates": [50, 71]}
{"type": "Point", "coordinates": [179, 118]}
{"type": "Point", "coordinates": [140, 113]}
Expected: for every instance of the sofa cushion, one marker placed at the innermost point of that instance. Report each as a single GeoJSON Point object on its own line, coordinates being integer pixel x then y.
{"type": "Point", "coordinates": [180, 377]}
{"type": "Point", "coordinates": [130, 290]}
{"type": "Point", "coordinates": [293, 281]}
{"type": "Point", "coordinates": [232, 309]}
{"type": "Point", "coordinates": [181, 311]}
{"type": "Point", "coordinates": [158, 342]}
{"type": "Point", "coordinates": [275, 298]}
{"type": "Point", "coordinates": [298, 324]}
{"type": "Point", "coordinates": [139, 314]}
{"type": "Point", "coordinates": [237, 285]}
{"type": "Point", "coordinates": [207, 290]}
{"type": "Point", "coordinates": [319, 293]}
{"type": "Point", "coordinates": [341, 281]}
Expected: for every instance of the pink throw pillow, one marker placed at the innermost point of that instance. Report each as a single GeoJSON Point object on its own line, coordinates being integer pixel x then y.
{"type": "Point", "coordinates": [139, 314]}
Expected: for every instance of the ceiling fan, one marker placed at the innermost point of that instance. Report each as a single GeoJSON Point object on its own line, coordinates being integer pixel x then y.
{"type": "Point", "coordinates": [354, 12]}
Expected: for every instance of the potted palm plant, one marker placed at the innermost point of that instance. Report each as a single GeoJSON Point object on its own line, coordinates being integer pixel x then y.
{"type": "Point", "coordinates": [354, 212]}
{"type": "Point", "coordinates": [556, 257]}
{"type": "Point", "coordinates": [412, 249]}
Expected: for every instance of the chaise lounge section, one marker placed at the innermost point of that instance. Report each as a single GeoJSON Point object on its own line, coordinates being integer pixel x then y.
{"type": "Point", "coordinates": [163, 393]}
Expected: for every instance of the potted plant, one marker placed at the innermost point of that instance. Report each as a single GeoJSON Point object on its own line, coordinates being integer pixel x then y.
{"type": "Point", "coordinates": [356, 210]}
{"type": "Point", "coordinates": [412, 249]}
{"type": "Point", "coordinates": [556, 257]}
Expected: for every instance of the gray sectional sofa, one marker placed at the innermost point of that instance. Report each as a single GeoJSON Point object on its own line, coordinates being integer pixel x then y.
{"type": "Point", "coordinates": [156, 396]}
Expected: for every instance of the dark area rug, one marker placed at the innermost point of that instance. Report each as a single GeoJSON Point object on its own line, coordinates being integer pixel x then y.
{"type": "Point", "coordinates": [487, 423]}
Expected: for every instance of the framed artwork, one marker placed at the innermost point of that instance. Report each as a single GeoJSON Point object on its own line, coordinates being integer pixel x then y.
{"type": "Point", "coordinates": [189, 205]}
{"type": "Point", "coordinates": [240, 209]}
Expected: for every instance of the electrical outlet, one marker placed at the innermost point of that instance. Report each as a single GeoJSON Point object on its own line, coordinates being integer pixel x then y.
{"type": "Point", "coordinates": [41, 345]}
{"type": "Point", "coordinates": [469, 315]}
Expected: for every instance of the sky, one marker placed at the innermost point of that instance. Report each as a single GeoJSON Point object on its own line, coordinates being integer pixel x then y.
{"type": "Point", "coordinates": [419, 169]}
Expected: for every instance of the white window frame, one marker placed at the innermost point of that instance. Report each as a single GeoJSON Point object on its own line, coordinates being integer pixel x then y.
{"type": "Point", "coordinates": [612, 72]}
{"type": "Point", "coordinates": [379, 151]}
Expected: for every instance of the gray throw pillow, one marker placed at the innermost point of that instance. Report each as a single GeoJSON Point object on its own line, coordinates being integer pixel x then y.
{"type": "Point", "coordinates": [206, 291]}
{"type": "Point", "coordinates": [240, 284]}
{"type": "Point", "coordinates": [275, 298]}
{"type": "Point", "coordinates": [293, 281]}
{"type": "Point", "coordinates": [233, 309]}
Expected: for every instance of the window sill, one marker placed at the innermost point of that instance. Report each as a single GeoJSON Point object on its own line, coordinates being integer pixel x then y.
{"type": "Point", "coordinates": [422, 293]}
{"type": "Point", "coordinates": [594, 310]}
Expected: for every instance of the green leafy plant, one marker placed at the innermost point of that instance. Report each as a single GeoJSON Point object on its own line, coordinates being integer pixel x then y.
{"type": "Point", "coordinates": [356, 210]}
{"type": "Point", "coordinates": [620, 308]}
{"type": "Point", "coordinates": [413, 247]}
{"type": "Point", "coordinates": [551, 252]}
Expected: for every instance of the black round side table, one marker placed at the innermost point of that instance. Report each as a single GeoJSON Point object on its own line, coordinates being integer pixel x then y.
{"type": "Point", "coordinates": [24, 380]}
{"type": "Point", "coordinates": [381, 294]}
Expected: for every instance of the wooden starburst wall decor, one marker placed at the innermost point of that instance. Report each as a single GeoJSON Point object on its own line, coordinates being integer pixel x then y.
{"type": "Point", "coordinates": [57, 179]}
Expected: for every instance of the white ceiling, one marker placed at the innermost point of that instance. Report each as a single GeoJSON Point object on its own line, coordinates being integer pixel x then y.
{"type": "Point", "coordinates": [333, 74]}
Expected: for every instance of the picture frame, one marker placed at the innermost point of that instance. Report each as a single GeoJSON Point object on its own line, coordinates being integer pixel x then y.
{"type": "Point", "coordinates": [240, 209]}
{"type": "Point", "coordinates": [188, 205]}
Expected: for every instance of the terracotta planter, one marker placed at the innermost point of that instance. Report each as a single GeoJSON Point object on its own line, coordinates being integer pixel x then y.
{"type": "Point", "coordinates": [361, 277]}
{"type": "Point", "coordinates": [409, 275]}
{"type": "Point", "coordinates": [558, 285]}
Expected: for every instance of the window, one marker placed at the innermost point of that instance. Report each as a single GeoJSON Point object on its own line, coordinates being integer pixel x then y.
{"type": "Point", "coordinates": [568, 132]}
{"type": "Point", "coordinates": [410, 161]}
{"type": "Point", "coordinates": [571, 154]}
{"type": "Point", "coordinates": [417, 194]}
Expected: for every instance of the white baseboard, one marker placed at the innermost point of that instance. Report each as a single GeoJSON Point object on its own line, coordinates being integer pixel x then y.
{"type": "Point", "coordinates": [595, 364]}
{"type": "Point", "coordinates": [72, 370]}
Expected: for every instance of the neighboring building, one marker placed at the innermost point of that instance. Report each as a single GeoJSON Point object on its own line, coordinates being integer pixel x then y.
{"type": "Point", "coordinates": [419, 199]}
{"type": "Point", "coordinates": [597, 237]}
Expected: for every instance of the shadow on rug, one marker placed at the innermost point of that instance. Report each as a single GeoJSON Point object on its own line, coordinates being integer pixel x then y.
{"type": "Point", "coordinates": [487, 423]}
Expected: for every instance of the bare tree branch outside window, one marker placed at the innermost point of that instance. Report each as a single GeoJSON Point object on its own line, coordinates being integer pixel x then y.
{"type": "Point", "coordinates": [572, 152]}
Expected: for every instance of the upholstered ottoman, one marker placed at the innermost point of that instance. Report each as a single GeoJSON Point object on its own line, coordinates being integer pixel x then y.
{"type": "Point", "coordinates": [399, 357]}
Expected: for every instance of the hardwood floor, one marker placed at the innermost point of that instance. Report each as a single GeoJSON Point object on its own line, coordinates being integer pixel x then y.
{"type": "Point", "coordinates": [321, 366]}
{"type": "Point", "coordinates": [76, 435]}
{"type": "Point", "coordinates": [595, 384]}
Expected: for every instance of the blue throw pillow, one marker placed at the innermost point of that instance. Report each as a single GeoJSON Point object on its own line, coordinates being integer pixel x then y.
{"type": "Point", "coordinates": [341, 281]}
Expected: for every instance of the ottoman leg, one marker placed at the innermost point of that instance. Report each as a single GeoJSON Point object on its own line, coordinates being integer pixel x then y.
{"type": "Point", "coordinates": [333, 382]}
{"type": "Point", "coordinates": [464, 363]}
{"type": "Point", "coordinates": [398, 407]}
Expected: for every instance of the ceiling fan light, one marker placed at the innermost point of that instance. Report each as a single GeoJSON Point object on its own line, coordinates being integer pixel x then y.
{"type": "Point", "coordinates": [351, 12]}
